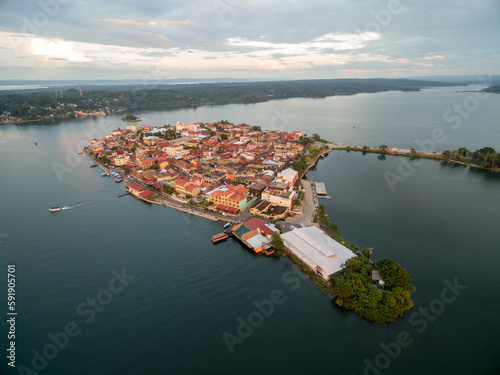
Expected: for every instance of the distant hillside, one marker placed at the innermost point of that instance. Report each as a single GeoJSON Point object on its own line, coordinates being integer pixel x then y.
{"type": "Point", "coordinates": [38, 104]}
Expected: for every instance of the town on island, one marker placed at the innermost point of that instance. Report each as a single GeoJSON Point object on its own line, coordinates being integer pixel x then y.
{"type": "Point", "coordinates": [253, 180]}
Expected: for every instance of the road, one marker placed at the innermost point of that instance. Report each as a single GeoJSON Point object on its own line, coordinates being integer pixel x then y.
{"type": "Point", "coordinates": [309, 205]}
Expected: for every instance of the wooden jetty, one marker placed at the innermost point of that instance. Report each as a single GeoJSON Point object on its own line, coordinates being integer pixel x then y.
{"type": "Point", "coordinates": [320, 188]}
{"type": "Point", "coordinates": [122, 195]}
{"type": "Point", "coordinates": [221, 236]}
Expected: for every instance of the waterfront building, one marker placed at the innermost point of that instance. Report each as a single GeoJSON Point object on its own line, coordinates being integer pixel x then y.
{"type": "Point", "coordinates": [232, 199]}
{"type": "Point", "coordinates": [318, 250]}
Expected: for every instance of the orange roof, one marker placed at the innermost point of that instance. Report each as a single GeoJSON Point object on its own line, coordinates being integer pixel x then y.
{"type": "Point", "coordinates": [217, 193]}
{"type": "Point", "coordinates": [181, 182]}
{"type": "Point", "coordinates": [236, 197]}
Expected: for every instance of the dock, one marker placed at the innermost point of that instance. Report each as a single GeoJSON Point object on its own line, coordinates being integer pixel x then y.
{"type": "Point", "coordinates": [320, 188]}
{"type": "Point", "coordinates": [221, 236]}
{"type": "Point", "coordinates": [123, 195]}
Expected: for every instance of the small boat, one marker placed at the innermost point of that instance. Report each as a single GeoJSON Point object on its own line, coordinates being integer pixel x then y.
{"type": "Point", "coordinates": [55, 209]}
{"type": "Point", "coordinates": [119, 180]}
{"type": "Point", "coordinates": [227, 225]}
{"type": "Point", "coordinates": [36, 144]}
{"type": "Point", "coordinates": [93, 165]}
{"type": "Point", "coordinates": [80, 153]}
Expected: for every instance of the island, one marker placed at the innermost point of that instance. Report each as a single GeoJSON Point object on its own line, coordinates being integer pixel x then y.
{"type": "Point", "coordinates": [130, 118]}
{"type": "Point", "coordinates": [252, 179]}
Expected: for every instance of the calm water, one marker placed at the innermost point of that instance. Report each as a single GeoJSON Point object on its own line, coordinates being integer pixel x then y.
{"type": "Point", "coordinates": [441, 223]}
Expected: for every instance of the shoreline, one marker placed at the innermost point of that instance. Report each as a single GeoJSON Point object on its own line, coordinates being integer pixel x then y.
{"type": "Point", "coordinates": [165, 203]}
{"type": "Point", "coordinates": [418, 155]}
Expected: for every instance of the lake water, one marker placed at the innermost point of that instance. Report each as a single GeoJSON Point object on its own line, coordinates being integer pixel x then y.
{"type": "Point", "coordinates": [186, 295]}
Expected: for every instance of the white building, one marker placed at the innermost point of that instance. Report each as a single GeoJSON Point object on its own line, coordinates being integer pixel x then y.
{"type": "Point", "coordinates": [290, 175]}
{"type": "Point", "coordinates": [284, 199]}
{"type": "Point", "coordinates": [318, 250]}
{"type": "Point", "coordinates": [121, 159]}
{"type": "Point", "coordinates": [133, 127]}
{"type": "Point", "coordinates": [179, 127]}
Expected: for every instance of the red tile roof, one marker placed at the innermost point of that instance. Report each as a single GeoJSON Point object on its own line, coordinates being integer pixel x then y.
{"type": "Point", "coordinates": [145, 193]}
{"type": "Point", "coordinates": [255, 223]}
{"type": "Point", "coordinates": [135, 187]}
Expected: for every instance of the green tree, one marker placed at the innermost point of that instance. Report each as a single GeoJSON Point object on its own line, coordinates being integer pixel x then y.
{"type": "Point", "coordinates": [277, 241]}
{"type": "Point", "coordinates": [167, 189]}
{"type": "Point", "coordinates": [383, 148]}
{"type": "Point", "coordinates": [394, 275]}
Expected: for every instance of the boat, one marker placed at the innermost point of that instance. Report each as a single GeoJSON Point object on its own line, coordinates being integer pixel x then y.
{"type": "Point", "coordinates": [119, 180]}
{"type": "Point", "coordinates": [227, 225]}
{"type": "Point", "coordinates": [104, 174]}
{"type": "Point", "coordinates": [93, 165]}
{"type": "Point", "coordinates": [55, 209]}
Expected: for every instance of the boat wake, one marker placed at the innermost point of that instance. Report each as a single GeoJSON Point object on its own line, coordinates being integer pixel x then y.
{"type": "Point", "coordinates": [79, 204]}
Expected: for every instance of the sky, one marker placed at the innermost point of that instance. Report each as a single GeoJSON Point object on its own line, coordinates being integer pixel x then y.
{"type": "Point", "coordinates": [275, 39]}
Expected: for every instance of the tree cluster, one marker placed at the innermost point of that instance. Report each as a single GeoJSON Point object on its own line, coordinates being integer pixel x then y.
{"type": "Point", "coordinates": [355, 290]}
{"type": "Point", "coordinates": [486, 157]}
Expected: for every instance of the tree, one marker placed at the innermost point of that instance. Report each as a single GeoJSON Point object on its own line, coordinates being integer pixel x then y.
{"type": "Point", "coordinates": [394, 275]}
{"type": "Point", "coordinates": [316, 137]}
{"type": "Point", "coordinates": [277, 241]}
{"type": "Point", "coordinates": [413, 151]}
{"type": "Point", "coordinates": [167, 189]}
{"type": "Point", "coordinates": [354, 290]}
{"type": "Point", "coordinates": [256, 128]}
{"type": "Point", "coordinates": [446, 154]}
{"type": "Point", "coordinates": [383, 148]}
{"type": "Point", "coordinates": [305, 140]}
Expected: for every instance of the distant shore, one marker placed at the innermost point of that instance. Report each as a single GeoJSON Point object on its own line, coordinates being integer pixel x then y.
{"type": "Point", "coordinates": [416, 155]}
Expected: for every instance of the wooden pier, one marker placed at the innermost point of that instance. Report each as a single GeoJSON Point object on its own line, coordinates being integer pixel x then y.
{"type": "Point", "coordinates": [221, 236]}
{"type": "Point", "coordinates": [320, 188]}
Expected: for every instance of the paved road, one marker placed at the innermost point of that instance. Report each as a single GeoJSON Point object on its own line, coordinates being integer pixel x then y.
{"type": "Point", "coordinates": [308, 206]}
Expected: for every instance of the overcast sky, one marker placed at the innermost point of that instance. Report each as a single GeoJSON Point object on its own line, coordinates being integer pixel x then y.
{"type": "Point", "coordinates": [168, 39]}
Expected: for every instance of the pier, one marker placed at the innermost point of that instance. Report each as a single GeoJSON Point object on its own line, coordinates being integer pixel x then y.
{"type": "Point", "coordinates": [320, 188]}
{"type": "Point", "coordinates": [221, 236]}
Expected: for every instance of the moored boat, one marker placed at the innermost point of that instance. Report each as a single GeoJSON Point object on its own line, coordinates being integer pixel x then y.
{"type": "Point", "coordinates": [119, 180]}
{"type": "Point", "coordinates": [93, 165]}
{"type": "Point", "coordinates": [104, 174]}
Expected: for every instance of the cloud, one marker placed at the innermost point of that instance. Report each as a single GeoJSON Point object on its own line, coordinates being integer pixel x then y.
{"type": "Point", "coordinates": [57, 49]}
{"type": "Point", "coordinates": [261, 38]}
{"type": "Point", "coordinates": [433, 57]}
